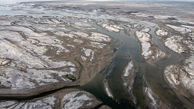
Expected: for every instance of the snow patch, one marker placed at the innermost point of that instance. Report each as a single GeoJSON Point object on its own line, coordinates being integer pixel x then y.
{"type": "Point", "coordinates": [174, 44]}
{"type": "Point", "coordinates": [161, 32]}
{"type": "Point", "coordinates": [75, 100]}
{"type": "Point", "coordinates": [128, 69]}
{"type": "Point", "coordinates": [180, 29]}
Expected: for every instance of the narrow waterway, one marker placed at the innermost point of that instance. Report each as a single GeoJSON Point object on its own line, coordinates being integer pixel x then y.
{"type": "Point", "coordinates": [144, 73]}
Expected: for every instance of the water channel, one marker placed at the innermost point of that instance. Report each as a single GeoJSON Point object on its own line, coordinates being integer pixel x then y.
{"type": "Point", "coordinates": [151, 75]}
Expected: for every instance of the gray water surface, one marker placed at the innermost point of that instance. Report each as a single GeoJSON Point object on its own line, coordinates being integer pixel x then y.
{"type": "Point", "coordinates": [130, 49]}
{"type": "Point", "coordinates": [151, 75]}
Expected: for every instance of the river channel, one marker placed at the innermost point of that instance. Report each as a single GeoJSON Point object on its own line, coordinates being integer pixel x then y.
{"type": "Point", "coordinates": [151, 75]}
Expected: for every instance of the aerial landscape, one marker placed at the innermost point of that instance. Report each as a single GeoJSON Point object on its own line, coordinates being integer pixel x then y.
{"type": "Point", "coordinates": [96, 54]}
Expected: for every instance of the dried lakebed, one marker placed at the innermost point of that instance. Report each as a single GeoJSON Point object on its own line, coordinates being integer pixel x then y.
{"type": "Point", "coordinates": [74, 59]}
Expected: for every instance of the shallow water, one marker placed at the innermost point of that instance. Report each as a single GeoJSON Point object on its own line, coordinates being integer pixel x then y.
{"type": "Point", "coordinates": [129, 49]}
{"type": "Point", "coordinates": [145, 73]}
